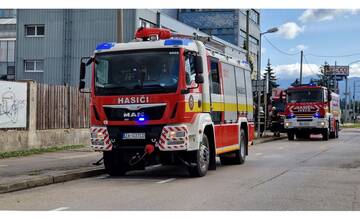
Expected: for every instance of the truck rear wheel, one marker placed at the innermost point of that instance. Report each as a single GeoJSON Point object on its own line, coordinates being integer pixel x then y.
{"type": "Point", "coordinates": [114, 164]}
{"type": "Point", "coordinates": [238, 156]}
{"type": "Point", "coordinates": [202, 158]}
{"type": "Point", "coordinates": [291, 135]}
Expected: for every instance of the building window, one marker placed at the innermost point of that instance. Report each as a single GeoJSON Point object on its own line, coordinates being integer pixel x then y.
{"type": "Point", "coordinates": [254, 16]}
{"type": "Point", "coordinates": [252, 39]}
{"type": "Point", "coordinates": [34, 65]}
{"type": "Point", "coordinates": [34, 30]}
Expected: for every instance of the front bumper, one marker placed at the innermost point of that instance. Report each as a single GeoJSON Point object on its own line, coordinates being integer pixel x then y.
{"type": "Point", "coordinates": [296, 123]}
{"type": "Point", "coordinates": [164, 137]}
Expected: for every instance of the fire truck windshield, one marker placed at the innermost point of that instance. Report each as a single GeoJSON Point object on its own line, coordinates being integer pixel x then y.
{"type": "Point", "coordinates": [310, 95]}
{"type": "Point", "coordinates": [137, 72]}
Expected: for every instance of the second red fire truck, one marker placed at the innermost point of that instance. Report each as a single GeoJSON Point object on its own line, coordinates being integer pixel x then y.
{"type": "Point", "coordinates": [167, 99]}
{"type": "Point", "coordinates": [312, 109]}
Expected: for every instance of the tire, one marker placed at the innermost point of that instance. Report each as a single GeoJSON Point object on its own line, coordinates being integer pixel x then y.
{"type": "Point", "coordinates": [114, 165]}
{"type": "Point", "coordinates": [291, 136]}
{"type": "Point", "coordinates": [239, 156]}
{"type": "Point", "coordinates": [326, 135]}
{"type": "Point", "coordinates": [202, 159]}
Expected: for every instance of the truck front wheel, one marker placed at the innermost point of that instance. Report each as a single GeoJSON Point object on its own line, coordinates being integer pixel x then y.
{"type": "Point", "coordinates": [114, 164]}
{"type": "Point", "coordinates": [202, 158]}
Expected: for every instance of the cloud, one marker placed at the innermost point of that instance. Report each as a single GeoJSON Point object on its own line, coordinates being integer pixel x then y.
{"type": "Point", "coordinates": [354, 70]}
{"type": "Point", "coordinates": [319, 15]}
{"type": "Point", "coordinates": [292, 71]}
{"type": "Point", "coordinates": [290, 30]}
{"type": "Point", "coordinates": [263, 50]}
{"type": "Point", "coordinates": [299, 47]}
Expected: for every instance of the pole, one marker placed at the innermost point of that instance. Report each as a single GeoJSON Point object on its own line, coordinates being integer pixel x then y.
{"type": "Point", "coordinates": [354, 103]}
{"type": "Point", "coordinates": [265, 96]}
{"type": "Point", "coordinates": [301, 66]}
{"type": "Point", "coordinates": [258, 92]}
{"type": "Point", "coordinates": [346, 96]}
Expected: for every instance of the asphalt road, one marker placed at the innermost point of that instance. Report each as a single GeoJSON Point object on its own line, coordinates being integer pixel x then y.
{"type": "Point", "coordinates": [281, 175]}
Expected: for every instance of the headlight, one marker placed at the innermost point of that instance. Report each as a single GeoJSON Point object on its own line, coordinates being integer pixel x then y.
{"type": "Point", "coordinates": [322, 123]}
{"type": "Point", "coordinates": [98, 135]}
{"type": "Point", "coordinates": [287, 124]}
{"type": "Point", "coordinates": [176, 134]}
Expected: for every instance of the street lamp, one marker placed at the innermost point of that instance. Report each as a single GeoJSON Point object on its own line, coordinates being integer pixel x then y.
{"type": "Point", "coordinates": [271, 30]}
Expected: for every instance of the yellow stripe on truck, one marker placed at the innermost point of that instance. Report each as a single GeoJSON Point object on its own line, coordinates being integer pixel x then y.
{"type": "Point", "coordinates": [226, 149]}
{"type": "Point", "coordinates": [219, 107]}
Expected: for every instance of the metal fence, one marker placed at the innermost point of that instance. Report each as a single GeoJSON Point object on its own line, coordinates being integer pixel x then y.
{"type": "Point", "coordinates": [61, 107]}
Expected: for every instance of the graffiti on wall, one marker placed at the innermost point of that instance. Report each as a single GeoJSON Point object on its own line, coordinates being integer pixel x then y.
{"type": "Point", "coordinates": [13, 104]}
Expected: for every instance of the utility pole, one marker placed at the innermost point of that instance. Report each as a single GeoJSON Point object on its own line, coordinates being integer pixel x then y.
{"type": "Point", "coordinates": [346, 96]}
{"type": "Point", "coordinates": [354, 102]}
{"type": "Point", "coordinates": [301, 65]}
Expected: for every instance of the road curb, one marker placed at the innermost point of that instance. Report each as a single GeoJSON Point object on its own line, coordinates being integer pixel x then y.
{"type": "Point", "coordinates": [261, 141]}
{"type": "Point", "coordinates": [50, 179]}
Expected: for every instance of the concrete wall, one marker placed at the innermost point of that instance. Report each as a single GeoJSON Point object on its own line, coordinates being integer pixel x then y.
{"type": "Point", "coordinates": [11, 140]}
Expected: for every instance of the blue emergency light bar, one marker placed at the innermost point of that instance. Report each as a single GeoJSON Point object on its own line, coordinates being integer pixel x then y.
{"type": "Point", "coordinates": [177, 42]}
{"type": "Point", "coordinates": [105, 46]}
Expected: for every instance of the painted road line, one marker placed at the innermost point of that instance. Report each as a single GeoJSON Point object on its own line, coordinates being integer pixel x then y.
{"type": "Point", "coordinates": [59, 209]}
{"type": "Point", "coordinates": [166, 181]}
{"type": "Point", "coordinates": [258, 154]}
{"type": "Point", "coordinates": [3, 165]}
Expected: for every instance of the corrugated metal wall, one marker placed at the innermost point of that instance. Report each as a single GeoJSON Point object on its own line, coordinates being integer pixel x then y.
{"type": "Point", "coordinates": [69, 34]}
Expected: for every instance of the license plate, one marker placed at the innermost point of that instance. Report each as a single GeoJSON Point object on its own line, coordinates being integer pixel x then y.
{"type": "Point", "coordinates": [129, 136]}
{"type": "Point", "coordinates": [303, 123]}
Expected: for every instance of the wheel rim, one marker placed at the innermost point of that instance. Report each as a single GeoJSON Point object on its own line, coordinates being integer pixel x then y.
{"type": "Point", "coordinates": [204, 157]}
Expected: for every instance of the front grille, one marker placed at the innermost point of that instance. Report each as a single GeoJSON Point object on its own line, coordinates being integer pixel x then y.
{"type": "Point", "coordinates": [152, 132]}
{"type": "Point", "coordinates": [124, 114]}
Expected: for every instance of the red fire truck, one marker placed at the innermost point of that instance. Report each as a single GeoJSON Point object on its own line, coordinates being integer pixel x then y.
{"type": "Point", "coordinates": [168, 99]}
{"type": "Point", "coordinates": [312, 109]}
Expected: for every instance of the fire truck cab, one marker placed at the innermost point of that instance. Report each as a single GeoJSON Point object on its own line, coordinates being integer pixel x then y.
{"type": "Point", "coordinates": [168, 100]}
{"type": "Point", "coordinates": [312, 109]}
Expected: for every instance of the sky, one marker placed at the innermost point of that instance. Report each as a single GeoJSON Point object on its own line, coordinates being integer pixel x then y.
{"type": "Point", "coordinates": [319, 33]}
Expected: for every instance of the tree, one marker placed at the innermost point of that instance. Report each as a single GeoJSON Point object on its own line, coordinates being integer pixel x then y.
{"type": "Point", "coordinates": [272, 78]}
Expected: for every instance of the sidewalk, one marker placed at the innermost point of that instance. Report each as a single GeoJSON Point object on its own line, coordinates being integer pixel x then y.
{"type": "Point", "coordinates": [48, 168]}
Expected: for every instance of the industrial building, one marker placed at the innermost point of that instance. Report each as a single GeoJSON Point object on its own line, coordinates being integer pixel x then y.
{"type": "Point", "coordinates": [50, 42]}
{"type": "Point", "coordinates": [7, 43]}
{"type": "Point", "coordinates": [227, 24]}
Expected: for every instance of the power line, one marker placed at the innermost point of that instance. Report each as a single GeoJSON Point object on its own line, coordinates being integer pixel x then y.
{"type": "Point", "coordinates": [278, 49]}
{"type": "Point", "coordinates": [307, 63]}
{"type": "Point", "coordinates": [334, 56]}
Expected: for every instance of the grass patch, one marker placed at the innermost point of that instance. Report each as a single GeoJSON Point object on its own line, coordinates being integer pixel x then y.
{"type": "Point", "coordinates": [23, 153]}
{"type": "Point", "coordinates": [357, 125]}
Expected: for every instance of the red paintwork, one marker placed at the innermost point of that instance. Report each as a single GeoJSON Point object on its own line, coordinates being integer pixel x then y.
{"type": "Point", "coordinates": [226, 135]}
{"type": "Point", "coordinates": [170, 99]}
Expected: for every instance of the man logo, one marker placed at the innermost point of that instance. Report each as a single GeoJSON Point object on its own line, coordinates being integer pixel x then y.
{"type": "Point", "coordinates": [133, 114]}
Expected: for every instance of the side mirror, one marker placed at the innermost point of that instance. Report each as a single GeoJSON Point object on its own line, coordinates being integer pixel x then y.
{"type": "Point", "coordinates": [81, 85]}
{"type": "Point", "coordinates": [198, 65]}
{"type": "Point", "coordinates": [199, 79]}
{"type": "Point", "coordinates": [82, 70]}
